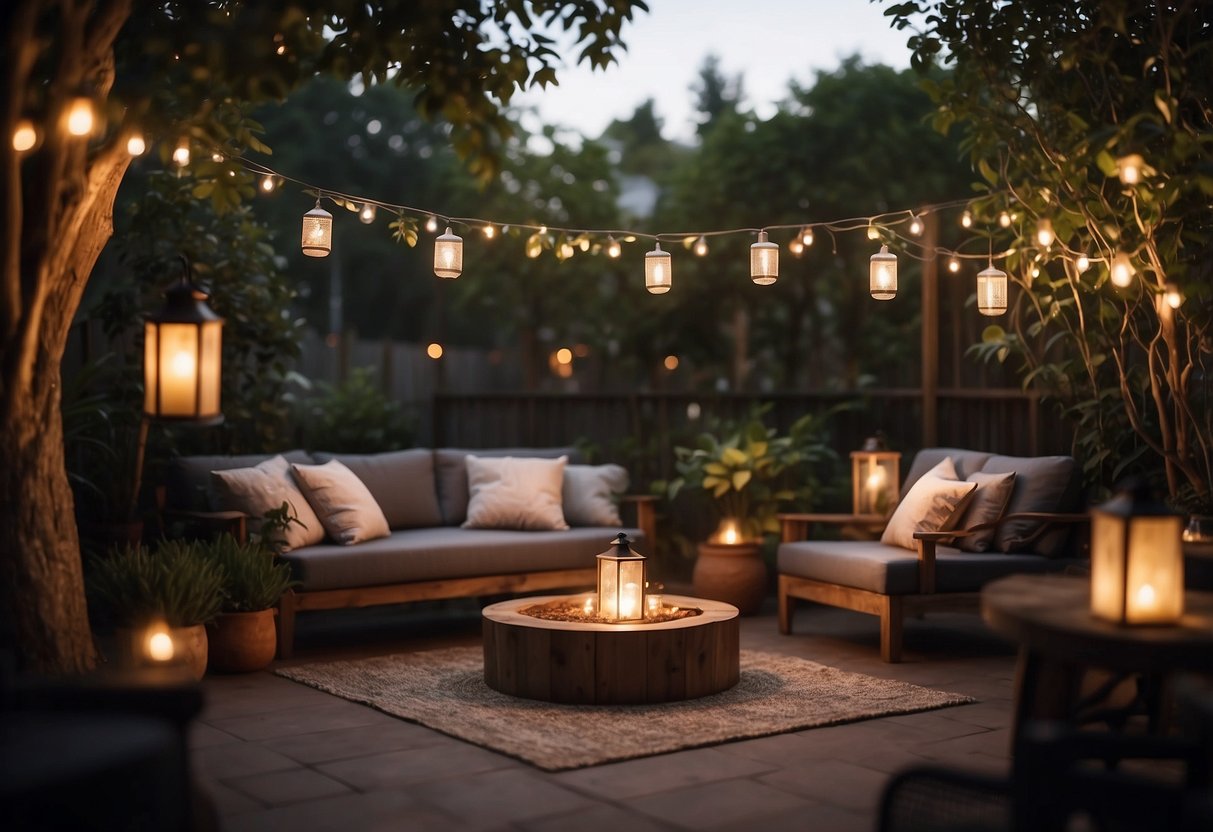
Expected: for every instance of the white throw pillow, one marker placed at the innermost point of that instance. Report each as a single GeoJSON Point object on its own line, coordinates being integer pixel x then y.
{"type": "Point", "coordinates": [933, 504]}
{"type": "Point", "coordinates": [515, 493]}
{"type": "Point", "coordinates": [267, 486]}
{"type": "Point", "coordinates": [591, 494]}
{"type": "Point", "coordinates": [988, 503]}
{"type": "Point", "coordinates": [342, 502]}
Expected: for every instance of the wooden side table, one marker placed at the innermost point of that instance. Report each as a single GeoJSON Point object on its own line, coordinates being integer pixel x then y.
{"type": "Point", "coordinates": [1059, 640]}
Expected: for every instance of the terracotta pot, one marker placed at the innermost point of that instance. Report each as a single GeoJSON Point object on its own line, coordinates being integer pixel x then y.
{"type": "Point", "coordinates": [733, 573]}
{"type": "Point", "coordinates": [189, 648]}
{"type": "Point", "coordinates": [242, 642]}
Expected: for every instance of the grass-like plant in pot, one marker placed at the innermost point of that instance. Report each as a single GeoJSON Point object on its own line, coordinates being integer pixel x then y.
{"type": "Point", "coordinates": [243, 636]}
{"type": "Point", "coordinates": [158, 602]}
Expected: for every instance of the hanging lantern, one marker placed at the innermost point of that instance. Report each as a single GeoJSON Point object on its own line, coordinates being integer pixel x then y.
{"type": "Point", "coordinates": [621, 582]}
{"type": "Point", "coordinates": [448, 255]}
{"type": "Point", "coordinates": [317, 232]}
{"type": "Point", "coordinates": [991, 291]}
{"type": "Point", "coordinates": [883, 275]}
{"type": "Point", "coordinates": [658, 271]}
{"type": "Point", "coordinates": [875, 477]}
{"type": "Point", "coordinates": [182, 352]}
{"type": "Point", "coordinates": [1044, 232]}
{"type": "Point", "coordinates": [1137, 566]}
{"type": "Point", "coordinates": [764, 261]}
{"type": "Point", "coordinates": [1121, 271]}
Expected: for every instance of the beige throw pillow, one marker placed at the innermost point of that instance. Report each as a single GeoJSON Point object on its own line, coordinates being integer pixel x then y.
{"type": "Point", "coordinates": [591, 494]}
{"type": "Point", "coordinates": [988, 503]}
{"type": "Point", "coordinates": [933, 504]}
{"type": "Point", "coordinates": [257, 490]}
{"type": "Point", "coordinates": [342, 502]}
{"type": "Point", "coordinates": [515, 493]}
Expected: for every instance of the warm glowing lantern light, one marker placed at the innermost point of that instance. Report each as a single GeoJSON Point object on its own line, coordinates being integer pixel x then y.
{"type": "Point", "coordinates": [80, 116]}
{"type": "Point", "coordinates": [991, 291]}
{"type": "Point", "coordinates": [658, 271]}
{"type": "Point", "coordinates": [966, 219]}
{"type": "Point", "coordinates": [796, 246]}
{"type": "Point", "coordinates": [268, 183]}
{"type": "Point", "coordinates": [490, 231]}
{"type": "Point", "coordinates": [159, 646]}
{"type": "Point", "coordinates": [701, 247]}
{"type": "Point", "coordinates": [613, 249]}
{"type": "Point", "coordinates": [764, 261]}
{"type": "Point", "coordinates": [448, 255]}
{"type": "Point", "coordinates": [181, 153]}
{"type": "Point", "coordinates": [434, 351]}
{"type": "Point", "coordinates": [366, 215]}
{"type": "Point", "coordinates": [1082, 263]}
{"type": "Point", "coordinates": [882, 282]}
{"type": "Point", "coordinates": [25, 136]}
{"type": "Point", "coordinates": [1044, 232]}
{"type": "Point", "coordinates": [1137, 566]}
{"type": "Point", "coordinates": [728, 533]}
{"type": "Point", "coordinates": [953, 265]}
{"type": "Point", "coordinates": [136, 145]}
{"type": "Point", "coordinates": [317, 232]}
{"type": "Point", "coordinates": [1172, 295]}
{"type": "Point", "coordinates": [915, 226]}
{"type": "Point", "coordinates": [431, 224]}
{"type": "Point", "coordinates": [875, 476]}
{"type": "Point", "coordinates": [182, 354]}
{"type": "Point", "coordinates": [806, 236]}
{"type": "Point", "coordinates": [621, 582]}
{"type": "Point", "coordinates": [1121, 270]}
{"type": "Point", "coordinates": [1130, 168]}
{"type": "Point", "coordinates": [671, 362]}
{"type": "Point", "coordinates": [1004, 219]}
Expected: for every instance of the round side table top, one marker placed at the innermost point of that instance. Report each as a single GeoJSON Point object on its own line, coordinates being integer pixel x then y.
{"type": "Point", "coordinates": [1051, 615]}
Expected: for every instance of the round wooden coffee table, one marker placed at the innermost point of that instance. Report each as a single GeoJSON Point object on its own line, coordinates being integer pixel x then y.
{"type": "Point", "coordinates": [611, 664]}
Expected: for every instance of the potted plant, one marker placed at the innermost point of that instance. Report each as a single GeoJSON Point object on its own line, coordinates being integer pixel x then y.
{"type": "Point", "coordinates": [750, 473]}
{"type": "Point", "coordinates": [243, 637]}
{"type": "Point", "coordinates": [158, 602]}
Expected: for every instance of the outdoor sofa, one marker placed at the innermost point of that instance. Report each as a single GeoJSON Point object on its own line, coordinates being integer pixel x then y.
{"type": "Point", "coordinates": [425, 553]}
{"type": "Point", "coordinates": [999, 515]}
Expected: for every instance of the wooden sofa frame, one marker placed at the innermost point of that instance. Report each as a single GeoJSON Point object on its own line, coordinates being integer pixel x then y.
{"type": "Point", "coordinates": [891, 609]}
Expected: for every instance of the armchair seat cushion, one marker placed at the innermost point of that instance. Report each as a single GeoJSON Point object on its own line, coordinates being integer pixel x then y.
{"type": "Point", "coordinates": [892, 570]}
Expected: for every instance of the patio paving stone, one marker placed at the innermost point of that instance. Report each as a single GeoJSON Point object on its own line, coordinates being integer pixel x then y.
{"type": "Point", "coordinates": [292, 786]}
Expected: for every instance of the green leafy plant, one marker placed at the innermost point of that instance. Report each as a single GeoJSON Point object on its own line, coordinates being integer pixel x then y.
{"type": "Point", "coordinates": [750, 472]}
{"type": "Point", "coordinates": [355, 417]}
{"type": "Point", "coordinates": [133, 586]}
{"type": "Point", "coordinates": [253, 578]}
{"type": "Point", "coordinates": [274, 525]}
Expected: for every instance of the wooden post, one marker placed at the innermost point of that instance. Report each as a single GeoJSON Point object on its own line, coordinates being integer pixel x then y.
{"type": "Point", "coordinates": [930, 334]}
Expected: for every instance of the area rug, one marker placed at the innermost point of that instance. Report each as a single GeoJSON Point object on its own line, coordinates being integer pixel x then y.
{"type": "Point", "coordinates": [445, 690]}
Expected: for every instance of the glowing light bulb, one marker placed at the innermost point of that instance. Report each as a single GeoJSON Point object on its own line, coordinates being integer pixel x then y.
{"type": "Point", "coordinates": [431, 225]}
{"type": "Point", "coordinates": [216, 157]}
{"type": "Point", "coordinates": [873, 232]}
{"type": "Point", "coordinates": [966, 219]}
{"type": "Point", "coordinates": [135, 145]}
{"type": "Point", "coordinates": [160, 646]}
{"type": "Point", "coordinates": [671, 362]}
{"type": "Point", "coordinates": [367, 214]}
{"type": "Point", "coordinates": [796, 246]}
{"type": "Point", "coordinates": [434, 351]}
{"type": "Point", "coordinates": [1121, 271]}
{"type": "Point", "coordinates": [701, 247]}
{"type": "Point", "coordinates": [953, 265]}
{"type": "Point", "coordinates": [268, 184]}
{"type": "Point", "coordinates": [80, 116]}
{"type": "Point", "coordinates": [613, 249]}
{"type": "Point", "coordinates": [1082, 263]}
{"type": "Point", "coordinates": [1004, 219]}
{"type": "Point", "coordinates": [182, 364]}
{"type": "Point", "coordinates": [1130, 168]}
{"type": "Point", "coordinates": [1044, 232]}
{"type": "Point", "coordinates": [25, 136]}
{"type": "Point", "coordinates": [806, 236]}
{"type": "Point", "coordinates": [1172, 295]}
{"type": "Point", "coordinates": [490, 231]}
{"type": "Point", "coordinates": [1146, 596]}
{"type": "Point", "coordinates": [181, 154]}
{"type": "Point", "coordinates": [915, 226]}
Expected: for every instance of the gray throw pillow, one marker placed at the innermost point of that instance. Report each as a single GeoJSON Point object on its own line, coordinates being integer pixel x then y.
{"type": "Point", "coordinates": [965, 462]}
{"type": "Point", "coordinates": [591, 494]}
{"type": "Point", "coordinates": [188, 482]}
{"type": "Point", "coordinates": [1042, 483]}
{"type": "Point", "coordinates": [402, 483]}
{"type": "Point", "coordinates": [988, 504]}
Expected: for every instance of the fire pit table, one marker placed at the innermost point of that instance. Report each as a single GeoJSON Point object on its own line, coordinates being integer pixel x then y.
{"type": "Point", "coordinates": [590, 663]}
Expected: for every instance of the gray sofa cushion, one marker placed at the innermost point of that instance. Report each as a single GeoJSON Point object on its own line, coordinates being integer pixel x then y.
{"type": "Point", "coordinates": [188, 484]}
{"type": "Point", "coordinates": [1042, 483]}
{"type": "Point", "coordinates": [402, 482]}
{"type": "Point", "coordinates": [891, 570]}
{"type": "Point", "coordinates": [966, 463]}
{"type": "Point", "coordinates": [451, 475]}
{"type": "Point", "coordinates": [442, 553]}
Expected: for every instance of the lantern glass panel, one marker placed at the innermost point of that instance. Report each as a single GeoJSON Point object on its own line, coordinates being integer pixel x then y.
{"type": "Point", "coordinates": [991, 291]}
{"type": "Point", "coordinates": [1107, 565]}
{"type": "Point", "coordinates": [658, 271]}
{"type": "Point", "coordinates": [875, 478]}
{"type": "Point", "coordinates": [448, 255]}
{"type": "Point", "coordinates": [1154, 588]}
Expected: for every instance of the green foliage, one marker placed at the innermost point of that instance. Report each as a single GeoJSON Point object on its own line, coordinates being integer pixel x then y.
{"type": "Point", "coordinates": [274, 525]}
{"type": "Point", "coordinates": [354, 417]}
{"type": "Point", "coordinates": [1052, 93]}
{"type": "Point", "coordinates": [750, 472]}
{"type": "Point", "coordinates": [132, 586]}
{"type": "Point", "coordinates": [253, 578]}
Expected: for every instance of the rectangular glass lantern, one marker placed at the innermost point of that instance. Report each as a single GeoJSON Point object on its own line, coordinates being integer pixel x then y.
{"type": "Point", "coordinates": [621, 582]}
{"type": "Point", "coordinates": [1137, 574]}
{"type": "Point", "coordinates": [875, 478]}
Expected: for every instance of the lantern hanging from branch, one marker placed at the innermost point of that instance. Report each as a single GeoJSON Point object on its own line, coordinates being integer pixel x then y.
{"type": "Point", "coordinates": [621, 582]}
{"type": "Point", "coordinates": [875, 477]}
{"type": "Point", "coordinates": [182, 352]}
{"type": "Point", "coordinates": [1137, 567]}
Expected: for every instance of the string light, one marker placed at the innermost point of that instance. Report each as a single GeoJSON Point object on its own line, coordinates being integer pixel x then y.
{"type": "Point", "coordinates": [268, 183]}
{"type": "Point", "coordinates": [448, 255]}
{"type": "Point", "coordinates": [991, 290]}
{"type": "Point", "coordinates": [1130, 168]}
{"type": "Point", "coordinates": [1121, 270]}
{"type": "Point", "coordinates": [764, 261]}
{"type": "Point", "coordinates": [216, 158]}
{"type": "Point", "coordinates": [367, 214]}
{"type": "Point", "coordinates": [953, 264]}
{"type": "Point", "coordinates": [915, 225]}
{"type": "Point", "coordinates": [613, 249]}
{"type": "Point", "coordinates": [701, 246]}
{"type": "Point", "coordinates": [80, 116]}
{"type": "Point", "coordinates": [136, 145]}
{"type": "Point", "coordinates": [882, 275]}
{"type": "Point", "coordinates": [1082, 263]}
{"type": "Point", "coordinates": [1172, 295]}
{"type": "Point", "coordinates": [1044, 232]}
{"type": "Point", "coordinates": [873, 232]}
{"type": "Point", "coordinates": [431, 225]}
{"type": "Point", "coordinates": [25, 136]}
{"type": "Point", "coordinates": [966, 219]}
{"type": "Point", "coordinates": [796, 246]}
{"type": "Point", "coordinates": [181, 154]}
{"type": "Point", "coordinates": [490, 231]}
{"type": "Point", "coordinates": [658, 270]}
{"type": "Point", "coordinates": [806, 236]}
{"type": "Point", "coordinates": [317, 232]}
{"type": "Point", "coordinates": [434, 350]}
{"type": "Point", "coordinates": [1004, 219]}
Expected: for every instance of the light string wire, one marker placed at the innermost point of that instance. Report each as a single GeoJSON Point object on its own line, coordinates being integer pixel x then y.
{"type": "Point", "coordinates": [885, 221]}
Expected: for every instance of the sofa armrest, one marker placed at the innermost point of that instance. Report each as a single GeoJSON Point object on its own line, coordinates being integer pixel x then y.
{"type": "Point", "coordinates": [234, 523]}
{"type": "Point", "coordinates": [798, 525]}
{"type": "Point", "coordinates": [646, 514]}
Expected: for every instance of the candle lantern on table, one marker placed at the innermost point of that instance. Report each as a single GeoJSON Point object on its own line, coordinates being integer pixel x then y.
{"type": "Point", "coordinates": [621, 582]}
{"type": "Point", "coordinates": [875, 474]}
{"type": "Point", "coordinates": [1137, 568]}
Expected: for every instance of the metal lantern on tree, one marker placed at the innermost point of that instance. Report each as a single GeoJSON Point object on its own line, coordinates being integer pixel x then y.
{"type": "Point", "coordinates": [883, 275]}
{"type": "Point", "coordinates": [448, 255]}
{"type": "Point", "coordinates": [182, 354]}
{"type": "Point", "coordinates": [1137, 567]}
{"type": "Point", "coordinates": [875, 474]}
{"type": "Point", "coordinates": [764, 261]}
{"type": "Point", "coordinates": [621, 582]}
